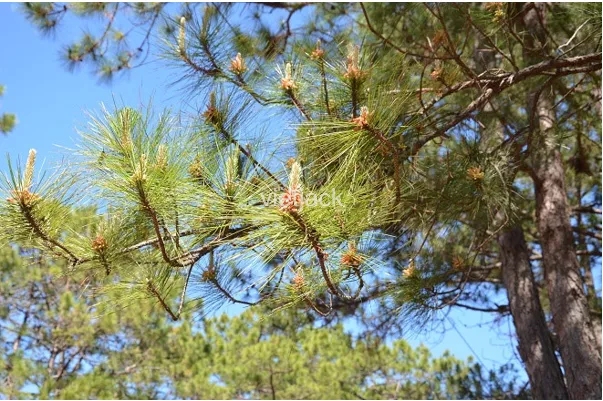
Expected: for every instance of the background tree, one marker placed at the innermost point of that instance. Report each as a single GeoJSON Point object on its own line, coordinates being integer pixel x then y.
{"type": "Point", "coordinates": [59, 342]}
{"type": "Point", "coordinates": [121, 41]}
{"type": "Point", "coordinates": [442, 162]}
{"type": "Point", "coordinates": [7, 120]}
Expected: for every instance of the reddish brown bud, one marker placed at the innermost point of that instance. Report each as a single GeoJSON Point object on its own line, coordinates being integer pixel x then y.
{"type": "Point", "coordinates": [362, 121]}
{"type": "Point", "coordinates": [458, 263]}
{"type": "Point", "coordinates": [99, 244]}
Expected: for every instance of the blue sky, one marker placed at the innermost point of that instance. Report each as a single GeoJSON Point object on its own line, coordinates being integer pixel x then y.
{"type": "Point", "coordinates": [51, 102]}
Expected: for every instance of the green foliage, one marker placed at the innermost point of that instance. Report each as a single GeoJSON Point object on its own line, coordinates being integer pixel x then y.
{"type": "Point", "coordinates": [114, 47]}
{"type": "Point", "coordinates": [58, 343]}
{"type": "Point", "coordinates": [413, 119]}
{"type": "Point", "coordinates": [385, 131]}
{"type": "Point", "coordinates": [7, 120]}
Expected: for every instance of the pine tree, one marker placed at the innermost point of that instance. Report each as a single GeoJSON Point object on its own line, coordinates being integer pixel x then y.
{"type": "Point", "coordinates": [108, 51]}
{"type": "Point", "coordinates": [454, 140]}
{"type": "Point", "coordinates": [61, 341]}
{"type": "Point", "coordinates": [7, 120]}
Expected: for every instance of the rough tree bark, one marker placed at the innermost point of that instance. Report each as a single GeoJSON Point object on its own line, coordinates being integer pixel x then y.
{"type": "Point", "coordinates": [577, 342]}
{"type": "Point", "coordinates": [536, 347]}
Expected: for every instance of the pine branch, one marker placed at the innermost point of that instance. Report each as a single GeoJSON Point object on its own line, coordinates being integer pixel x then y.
{"type": "Point", "coordinates": [586, 209]}
{"type": "Point", "coordinates": [486, 36]}
{"type": "Point", "coordinates": [153, 290]}
{"type": "Point", "coordinates": [394, 153]}
{"type": "Point", "coordinates": [323, 77]}
{"type": "Point", "coordinates": [154, 219]}
{"type": "Point", "coordinates": [313, 237]}
{"type": "Point", "coordinates": [393, 45]}
{"type": "Point", "coordinates": [220, 128]}
{"type": "Point", "coordinates": [26, 210]}
{"type": "Point", "coordinates": [298, 104]}
{"type": "Point", "coordinates": [494, 85]}
{"type": "Point", "coordinates": [448, 42]}
{"type": "Point", "coordinates": [501, 309]}
{"type": "Point", "coordinates": [227, 294]}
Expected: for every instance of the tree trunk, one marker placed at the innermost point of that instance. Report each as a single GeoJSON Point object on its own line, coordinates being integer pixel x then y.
{"type": "Point", "coordinates": [577, 342]}
{"type": "Point", "coordinates": [535, 344]}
